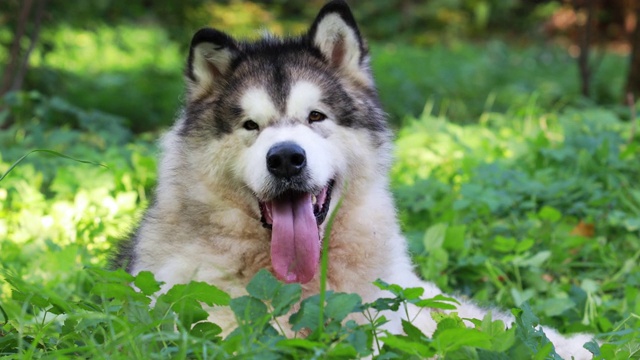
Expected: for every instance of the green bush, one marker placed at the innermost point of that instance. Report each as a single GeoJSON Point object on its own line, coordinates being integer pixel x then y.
{"type": "Point", "coordinates": [463, 81]}
{"type": "Point", "coordinates": [539, 209]}
{"type": "Point", "coordinates": [512, 190]}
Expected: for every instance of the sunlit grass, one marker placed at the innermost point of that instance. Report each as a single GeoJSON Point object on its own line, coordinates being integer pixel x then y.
{"type": "Point", "coordinates": [504, 156]}
{"type": "Point", "coordinates": [465, 81]}
{"type": "Point", "coordinates": [110, 48]}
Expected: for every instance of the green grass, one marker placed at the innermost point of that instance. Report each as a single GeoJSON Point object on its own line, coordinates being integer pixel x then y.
{"type": "Point", "coordinates": [502, 203]}
{"type": "Point", "coordinates": [463, 81]}
{"type": "Point", "coordinates": [511, 189]}
{"type": "Point", "coordinates": [489, 208]}
{"type": "Point", "coordinates": [135, 73]}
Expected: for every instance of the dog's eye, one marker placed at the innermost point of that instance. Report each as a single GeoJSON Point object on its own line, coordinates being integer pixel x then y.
{"type": "Point", "coordinates": [315, 116]}
{"type": "Point", "coordinates": [250, 125]}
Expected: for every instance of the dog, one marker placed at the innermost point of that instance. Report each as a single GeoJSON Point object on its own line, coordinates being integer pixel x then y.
{"type": "Point", "coordinates": [273, 132]}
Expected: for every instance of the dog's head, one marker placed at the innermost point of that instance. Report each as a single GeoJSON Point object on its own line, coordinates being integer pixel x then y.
{"type": "Point", "coordinates": [287, 122]}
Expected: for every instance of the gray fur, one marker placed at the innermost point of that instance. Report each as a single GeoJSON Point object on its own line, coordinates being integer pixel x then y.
{"type": "Point", "coordinates": [206, 222]}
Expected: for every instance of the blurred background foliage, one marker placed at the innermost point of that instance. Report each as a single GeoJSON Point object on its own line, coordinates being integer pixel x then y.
{"type": "Point", "coordinates": [110, 55]}
{"type": "Point", "coordinates": [515, 181]}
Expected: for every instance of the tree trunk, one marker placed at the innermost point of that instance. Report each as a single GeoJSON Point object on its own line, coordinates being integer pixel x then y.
{"type": "Point", "coordinates": [633, 76]}
{"type": "Point", "coordinates": [34, 36]}
{"type": "Point", "coordinates": [27, 26]}
{"type": "Point", "coordinates": [585, 44]}
{"type": "Point", "coordinates": [16, 51]}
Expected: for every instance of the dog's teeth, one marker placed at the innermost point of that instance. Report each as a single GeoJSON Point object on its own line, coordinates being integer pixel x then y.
{"type": "Point", "coordinates": [314, 199]}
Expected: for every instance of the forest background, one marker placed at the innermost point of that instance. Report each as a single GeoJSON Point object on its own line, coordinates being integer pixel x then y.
{"type": "Point", "coordinates": [516, 175]}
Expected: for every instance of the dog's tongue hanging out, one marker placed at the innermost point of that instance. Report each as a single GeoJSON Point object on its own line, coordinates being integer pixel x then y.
{"type": "Point", "coordinates": [295, 242]}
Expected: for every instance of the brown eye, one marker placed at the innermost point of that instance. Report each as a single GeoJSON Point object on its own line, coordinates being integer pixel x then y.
{"type": "Point", "coordinates": [315, 116]}
{"type": "Point", "coordinates": [250, 125]}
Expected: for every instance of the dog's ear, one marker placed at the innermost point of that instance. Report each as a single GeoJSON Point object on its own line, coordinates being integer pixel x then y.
{"type": "Point", "coordinates": [336, 35]}
{"type": "Point", "coordinates": [210, 57]}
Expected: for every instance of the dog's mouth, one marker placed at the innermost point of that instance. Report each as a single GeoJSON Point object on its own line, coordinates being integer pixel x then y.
{"type": "Point", "coordinates": [294, 218]}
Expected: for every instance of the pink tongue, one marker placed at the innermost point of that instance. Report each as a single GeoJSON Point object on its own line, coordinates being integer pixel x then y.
{"type": "Point", "coordinates": [295, 243]}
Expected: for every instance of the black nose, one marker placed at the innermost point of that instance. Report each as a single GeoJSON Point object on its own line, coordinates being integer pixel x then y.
{"type": "Point", "coordinates": [286, 159]}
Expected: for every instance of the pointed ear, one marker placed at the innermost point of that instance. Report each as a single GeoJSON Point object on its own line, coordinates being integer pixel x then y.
{"type": "Point", "coordinates": [210, 58]}
{"type": "Point", "coordinates": [336, 35]}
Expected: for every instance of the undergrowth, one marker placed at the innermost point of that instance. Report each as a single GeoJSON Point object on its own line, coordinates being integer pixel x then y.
{"type": "Point", "coordinates": [537, 212]}
{"type": "Point", "coordinates": [534, 207]}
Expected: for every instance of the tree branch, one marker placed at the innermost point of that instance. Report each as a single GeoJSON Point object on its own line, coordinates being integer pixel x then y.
{"type": "Point", "coordinates": [634, 119]}
{"type": "Point", "coordinates": [33, 37]}
{"type": "Point", "coordinates": [633, 75]}
{"type": "Point", "coordinates": [584, 44]}
{"type": "Point", "coordinates": [15, 52]}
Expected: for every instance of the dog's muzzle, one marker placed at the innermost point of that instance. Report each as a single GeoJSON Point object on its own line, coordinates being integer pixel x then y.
{"type": "Point", "coordinates": [295, 215]}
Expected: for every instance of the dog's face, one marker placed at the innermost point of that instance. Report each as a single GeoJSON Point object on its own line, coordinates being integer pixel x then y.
{"type": "Point", "coordinates": [285, 123]}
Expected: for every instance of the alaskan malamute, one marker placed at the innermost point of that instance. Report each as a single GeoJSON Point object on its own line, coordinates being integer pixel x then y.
{"type": "Point", "coordinates": [273, 132]}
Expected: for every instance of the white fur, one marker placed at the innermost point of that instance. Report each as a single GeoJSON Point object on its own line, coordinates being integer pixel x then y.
{"type": "Point", "coordinates": [205, 225]}
{"type": "Point", "coordinates": [258, 105]}
{"type": "Point", "coordinates": [321, 159]}
{"type": "Point", "coordinates": [228, 245]}
{"type": "Point", "coordinates": [304, 97]}
{"type": "Point", "coordinates": [205, 55]}
{"type": "Point", "coordinates": [332, 31]}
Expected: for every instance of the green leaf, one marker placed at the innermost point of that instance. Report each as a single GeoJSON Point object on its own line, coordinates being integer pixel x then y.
{"type": "Point", "coordinates": [308, 315]}
{"type": "Point", "coordinates": [556, 306]}
{"type": "Point", "coordinates": [5, 317]}
{"type": "Point", "coordinates": [116, 290]}
{"type": "Point", "coordinates": [146, 282]}
{"type": "Point", "coordinates": [69, 326]}
{"type": "Point", "coordinates": [524, 245]}
{"type": "Point", "coordinates": [527, 332]}
{"type": "Point", "coordinates": [205, 330]}
{"type": "Point", "coordinates": [386, 304]}
{"type": "Point", "coordinates": [207, 293]}
{"type": "Point", "coordinates": [455, 237]}
{"type": "Point", "coordinates": [393, 288]}
{"type": "Point", "coordinates": [342, 351]}
{"type": "Point", "coordinates": [324, 261]}
{"type": "Point", "coordinates": [404, 344]}
{"type": "Point", "coordinates": [520, 297]}
{"type": "Point", "coordinates": [447, 321]}
{"type": "Point", "coordinates": [536, 260]}
{"type": "Point", "coordinates": [547, 213]}
{"type": "Point", "coordinates": [434, 237]}
{"type": "Point", "coordinates": [492, 355]}
{"type": "Point", "coordinates": [589, 286]}
{"type": "Point", "coordinates": [593, 347]}
{"type": "Point", "coordinates": [188, 311]}
{"type": "Point", "coordinates": [8, 342]}
{"type": "Point", "coordinates": [263, 286]}
{"type": "Point", "coordinates": [545, 352]}
{"type": "Point", "coordinates": [412, 331]}
{"type": "Point", "coordinates": [501, 338]}
{"type": "Point", "coordinates": [504, 244]}
{"type": "Point", "coordinates": [249, 310]}
{"type": "Point", "coordinates": [412, 293]}
{"type": "Point", "coordinates": [185, 300]}
{"type": "Point", "coordinates": [38, 301]}
{"type": "Point", "coordinates": [359, 337]}
{"type": "Point", "coordinates": [299, 343]}
{"type": "Point", "coordinates": [439, 302]}
{"type": "Point", "coordinates": [286, 296]}
{"type": "Point", "coordinates": [104, 275]}
{"type": "Point", "coordinates": [455, 338]}
{"type": "Point", "coordinates": [339, 305]}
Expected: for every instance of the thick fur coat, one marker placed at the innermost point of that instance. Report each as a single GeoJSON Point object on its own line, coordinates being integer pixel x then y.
{"type": "Point", "coordinates": [273, 132]}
